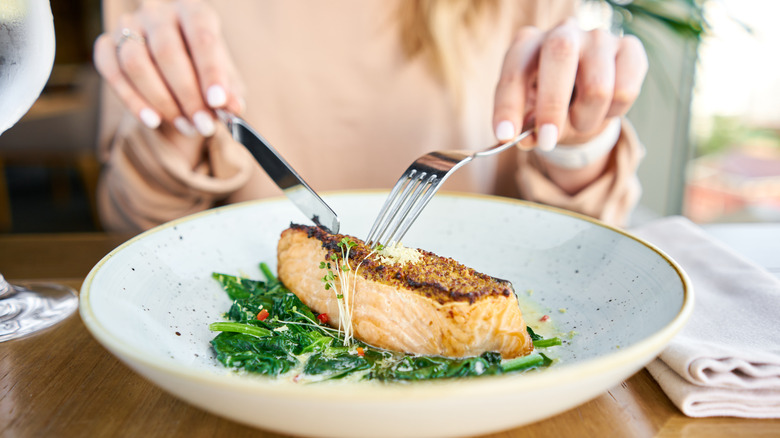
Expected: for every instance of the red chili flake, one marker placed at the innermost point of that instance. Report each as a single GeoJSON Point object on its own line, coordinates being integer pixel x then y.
{"type": "Point", "coordinates": [323, 318]}
{"type": "Point", "coordinates": [544, 318]}
{"type": "Point", "coordinates": [361, 352]}
{"type": "Point", "coordinates": [262, 315]}
{"type": "Point", "coordinates": [295, 379]}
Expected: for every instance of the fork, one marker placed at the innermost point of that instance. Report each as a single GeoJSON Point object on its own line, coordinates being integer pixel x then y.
{"type": "Point", "coordinates": [419, 183]}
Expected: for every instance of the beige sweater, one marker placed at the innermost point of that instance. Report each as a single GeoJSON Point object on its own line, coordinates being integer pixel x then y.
{"type": "Point", "coordinates": [328, 86]}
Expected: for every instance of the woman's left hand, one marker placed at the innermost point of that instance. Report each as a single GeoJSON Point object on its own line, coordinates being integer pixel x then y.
{"type": "Point", "coordinates": [573, 82]}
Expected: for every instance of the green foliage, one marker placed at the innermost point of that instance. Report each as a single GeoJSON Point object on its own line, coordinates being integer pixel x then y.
{"type": "Point", "coordinates": [681, 17]}
{"type": "Point", "coordinates": [729, 132]}
{"type": "Point", "coordinates": [291, 340]}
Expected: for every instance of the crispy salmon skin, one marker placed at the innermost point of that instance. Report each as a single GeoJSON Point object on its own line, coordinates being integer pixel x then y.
{"type": "Point", "coordinates": [432, 305]}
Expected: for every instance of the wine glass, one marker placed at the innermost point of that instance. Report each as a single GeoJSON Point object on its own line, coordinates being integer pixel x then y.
{"type": "Point", "coordinates": [26, 59]}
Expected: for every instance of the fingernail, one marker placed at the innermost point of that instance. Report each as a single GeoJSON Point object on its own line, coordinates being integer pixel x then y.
{"type": "Point", "coordinates": [216, 96]}
{"type": "Point", "coordinates": [242, 104]}
{"type": "Point", "coordinates": [547, 137]}
{"type": "Point", "coordinates": [204, 123]}
{"type": "Point", "coordinates": [149, 118]}
{"type": "Point", "coordinates": [184, 126]}
{"type": "Point", "coordinates": [505, 130]}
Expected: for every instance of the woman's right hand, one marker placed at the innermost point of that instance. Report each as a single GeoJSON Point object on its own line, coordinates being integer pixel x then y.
{"type": "Point", "coordinates": [169, 65]}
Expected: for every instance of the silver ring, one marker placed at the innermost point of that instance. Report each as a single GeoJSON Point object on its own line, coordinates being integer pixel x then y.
{"type": "Point", "coordinates": [128, 35]}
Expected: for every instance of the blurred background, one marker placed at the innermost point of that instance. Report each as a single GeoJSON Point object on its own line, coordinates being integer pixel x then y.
{"type": "Point", "coordinates": [709, 116]}
{"type": "Point", "coordinates": [734, 173]}
{"type": "Point", "coordinates": [48, 166]}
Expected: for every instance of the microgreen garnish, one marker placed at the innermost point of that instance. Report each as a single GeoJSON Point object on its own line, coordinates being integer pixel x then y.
{"type": "Point", "coordinates": [340, 284]}
{"type": "Point", "coordinates": [344, 299]}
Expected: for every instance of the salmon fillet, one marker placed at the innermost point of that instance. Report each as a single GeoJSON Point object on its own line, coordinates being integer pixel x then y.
{"type": "Point", "coordinates": [434, 306]}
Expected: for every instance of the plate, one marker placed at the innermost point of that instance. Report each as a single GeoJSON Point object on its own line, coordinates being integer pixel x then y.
{"type": "Point", "coordinates": [619, 299]}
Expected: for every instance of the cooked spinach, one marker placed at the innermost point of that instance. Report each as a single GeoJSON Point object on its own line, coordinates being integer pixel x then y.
{"type": "Point", "coordinates": [540, 342]}
{"type": "Point", "coordinates": [271, 332]}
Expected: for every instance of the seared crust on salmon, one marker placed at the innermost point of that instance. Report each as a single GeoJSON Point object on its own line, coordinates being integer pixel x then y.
{"type": "Point", "coordinates": [434, 306]}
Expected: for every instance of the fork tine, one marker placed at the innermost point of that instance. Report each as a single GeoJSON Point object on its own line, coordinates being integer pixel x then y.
{"type": "Point", "coordinates": [412, 182]}
{"type": "Point", "coordinates": [421, 186]}
{"type": "Point", "coordinates": [431, 189]}
{"type": "Point", "coordinates": [396, 194]}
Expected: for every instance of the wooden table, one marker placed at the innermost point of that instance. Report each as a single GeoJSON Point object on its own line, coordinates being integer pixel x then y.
{"type": "Point", "coordinates": [62, 383]}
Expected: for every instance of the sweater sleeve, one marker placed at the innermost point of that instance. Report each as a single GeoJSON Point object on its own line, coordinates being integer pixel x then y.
{"type": "Point", "coordinates": [610, 198]}
{"type": "Point", "coordinates": [147, 181]}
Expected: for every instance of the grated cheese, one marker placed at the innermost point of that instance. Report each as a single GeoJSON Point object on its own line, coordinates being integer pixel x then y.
{"type": "Point", "coordinates": [398, 254]}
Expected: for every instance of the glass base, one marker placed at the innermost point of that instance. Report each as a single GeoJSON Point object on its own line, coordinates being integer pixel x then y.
{"type": "Point", "coordinates": [34, 307]}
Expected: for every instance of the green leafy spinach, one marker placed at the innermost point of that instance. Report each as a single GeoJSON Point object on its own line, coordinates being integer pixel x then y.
{"type": "Point", "coordinates": [271, 332]}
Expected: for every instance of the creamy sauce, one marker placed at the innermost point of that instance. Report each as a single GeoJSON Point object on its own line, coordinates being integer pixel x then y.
{"type": "Point", "coordinates": [541, 320]}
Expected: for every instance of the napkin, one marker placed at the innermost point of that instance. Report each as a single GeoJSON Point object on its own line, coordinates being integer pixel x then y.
{"type": "Point", "coordinates": [726, 360]}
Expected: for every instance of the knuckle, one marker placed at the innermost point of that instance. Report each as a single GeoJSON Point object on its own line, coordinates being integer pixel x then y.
{"type": "Point", "coordinates": [126, 96]}
{"type": "Point", "coordinates": [199, 15]}
{"type": "Point", "coordinates": [506, 102]}
{"type": "Point", "coordinates": [164, 46]}
{"type": "Point", "coordinates": [567, 25]}
{"type": "Point", "coordinates": [132, 65]}
{"type": "Point", "coordinates": [595, 89]}
{"type": "Point", "coordinates": [189, 98]}
{"type": "Point", "coordinates": [203, 37]}
{"type": "Point", "coordinates": [601, 38]}
{"type": "Point", "coordinates": [552, 109]}
{"type": "Point", "coordinates": [633, 45]}
{"type": "Point", "coordinates": [206, 20]}
{"type": "Point", "coordinates": [581, 122]}
{"type": "Point", "coordinates": [509, 78]}
{"type": "Point", "coordinates": [209, 71]}
{"type": "Point", "coordinates": [112, 77]}
{"type": "Point", "coordinates": [561, 45]}
{"type": "Point", "coordinates": [625, 96]}
{"type": "Point", "coordinates": [158, 16]}
{"type": "Point", "coordinates": [154, 8]}
{"type": "Point", "coordinates": [126, 19]}
{"type": "Point", "coordinates": [167, 108]}
{"type": "Point", "coordinates": [525, 33]}
{"type": "Point", "coordinates": [504, 108]}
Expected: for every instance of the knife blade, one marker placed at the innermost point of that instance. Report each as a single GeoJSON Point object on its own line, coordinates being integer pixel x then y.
{"type": "Point", "coordinates": [291, 183]}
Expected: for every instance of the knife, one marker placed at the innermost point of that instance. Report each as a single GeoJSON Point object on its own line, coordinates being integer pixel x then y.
{"type": "Point", "coordinates": [293, 186]}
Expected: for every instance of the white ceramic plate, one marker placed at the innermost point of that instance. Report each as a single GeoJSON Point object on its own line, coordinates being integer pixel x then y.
{"type": "Point", "coordinates": [150, 302]}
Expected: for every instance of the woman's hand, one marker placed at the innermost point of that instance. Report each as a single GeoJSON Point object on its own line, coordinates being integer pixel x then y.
{"type": "Point", "coordinates": [572, 81]}
{"type": "Point", "coordinates": [169, 65]}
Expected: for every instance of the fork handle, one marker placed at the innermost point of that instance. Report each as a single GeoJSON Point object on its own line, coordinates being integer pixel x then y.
{"type": "Point", "coordinates": [528, 128]}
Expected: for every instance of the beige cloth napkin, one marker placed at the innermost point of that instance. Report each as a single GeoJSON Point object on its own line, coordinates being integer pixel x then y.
{"type": "Point", "coordinates": [726, 361]}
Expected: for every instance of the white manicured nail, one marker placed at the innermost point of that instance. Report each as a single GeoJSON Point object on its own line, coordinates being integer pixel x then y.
{"type": "Point", "coordinates": [184, 126]}
{"type": "Point", "coordinates": [505, 130]}
{"type": "Point", "coordinates": [547, 137]}
{"type": "Point", "coordinates": [216, 96]}
{"type": "Point", "coordinates": [204, 123]}
{"type": "Point", "coordinates": [149, 118]}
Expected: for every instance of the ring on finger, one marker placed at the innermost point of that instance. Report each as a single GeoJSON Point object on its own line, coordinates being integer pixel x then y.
{"type": "Point", "coordinates": [128, 35]}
